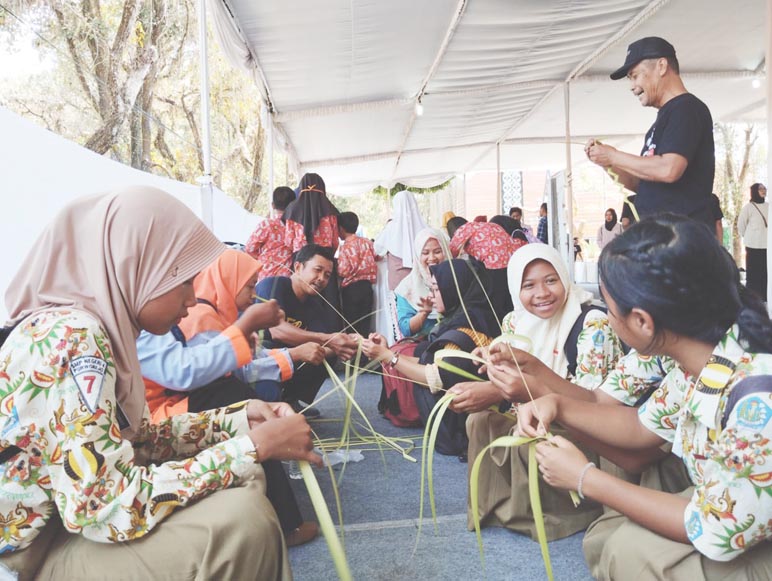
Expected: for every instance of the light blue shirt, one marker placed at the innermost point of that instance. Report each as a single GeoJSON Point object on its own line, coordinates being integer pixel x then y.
{"type": "Point", "coordinates": [207, 356]}
{"type": "Point", "coordinates": [405, 312]}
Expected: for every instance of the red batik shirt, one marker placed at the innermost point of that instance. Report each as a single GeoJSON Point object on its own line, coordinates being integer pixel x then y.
{"type": "Point", "coordinates": [356, 261]}
{"type": "Point", "coordinates": [486, 242]}
{"type": "Point", "coordinates": [267, 245]}
{"type": "Point", "coordinates": [326, 234]}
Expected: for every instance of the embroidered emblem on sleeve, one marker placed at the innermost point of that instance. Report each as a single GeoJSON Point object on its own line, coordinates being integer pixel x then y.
{"type": "Point", "coordinates": [89, 375]}
{"type": "Point", "coordinates": [753, 413]}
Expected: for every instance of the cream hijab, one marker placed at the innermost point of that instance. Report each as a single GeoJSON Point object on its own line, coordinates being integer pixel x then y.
{"type": "Point", "coordinates": [548, 336]}
{"type": "Point", "coordinates": [417, 284]}
{"type": "Point", "coordinates": [109, 255]}
{"type": "Point", "coordinates": [397, 236]}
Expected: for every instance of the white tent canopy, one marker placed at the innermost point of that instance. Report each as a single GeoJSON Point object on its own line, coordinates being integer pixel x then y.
{"type": "Point", "coordinates": [43, 171]}
{"type": "Point", "coordinates": [342, 78]}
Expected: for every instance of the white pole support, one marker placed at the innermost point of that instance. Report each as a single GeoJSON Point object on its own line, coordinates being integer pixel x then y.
{"type": "Point", "coordinates": [206, 145]}
{"type": "Point", "coordinates": [569, 198]}
{"type": "Point", "coordinates": [769, 150]}
{"type": "Point", "coordinates": [269, 129]}
{"type": "Point", "coordinates": [499, 201]}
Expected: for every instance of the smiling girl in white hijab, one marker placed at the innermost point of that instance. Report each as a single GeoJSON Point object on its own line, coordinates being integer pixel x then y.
{"type": "Point", "coordinates": [575, 340]}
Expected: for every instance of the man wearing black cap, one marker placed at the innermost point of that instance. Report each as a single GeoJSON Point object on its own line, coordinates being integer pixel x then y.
{"type": "Point", "coordinates": [674, 172]}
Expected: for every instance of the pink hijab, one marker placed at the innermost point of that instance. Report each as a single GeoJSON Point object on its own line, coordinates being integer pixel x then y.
{"type": "Point", "coordinates": [109, 255]}
{"type": "Point", "coordinates": [219, 283]}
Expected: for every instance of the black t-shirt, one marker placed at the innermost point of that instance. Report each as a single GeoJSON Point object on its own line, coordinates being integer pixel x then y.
{"type": "Point", "coordinates": [627, 211]}
{"type": "Point", "coordinates": [715, 207]}
{"type": "Point", "coordinates": [308, 315]}
{"type": "Point", "coordinates": [684, 126]}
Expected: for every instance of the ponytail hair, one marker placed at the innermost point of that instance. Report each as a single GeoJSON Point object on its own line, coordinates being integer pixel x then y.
{"type": "Point", "coordinates": [674, 269]}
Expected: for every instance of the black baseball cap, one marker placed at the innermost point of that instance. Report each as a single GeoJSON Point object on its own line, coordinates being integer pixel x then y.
{"type": "Point", "coordinates": [651, 47]}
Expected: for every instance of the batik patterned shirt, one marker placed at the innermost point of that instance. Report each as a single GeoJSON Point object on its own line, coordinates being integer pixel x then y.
{"type": "Point", "coordinates": [326, 234]}
{"type": "Point", "coordinates": [485, 241]}
{"type": "Point", "coordinates": [356, 261]}
{"type": "Point", "coordinates": [635, 375]}
{"type": "Point", "coordinates": [58, 408]}
{"type": "Point", "coordinates": [723, 433]}
{"type": "Point", "coordinates": [597, 348]}
{"type": "Point", "coordinates": [268, 246]}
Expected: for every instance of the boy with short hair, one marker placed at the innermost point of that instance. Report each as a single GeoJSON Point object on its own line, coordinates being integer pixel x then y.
{"type": "Point", "coordinates": [266, 244]}
{"type": "Point", "coordinates": [542, 230]}
{"type": "Point", "coordinates": [357, 270]}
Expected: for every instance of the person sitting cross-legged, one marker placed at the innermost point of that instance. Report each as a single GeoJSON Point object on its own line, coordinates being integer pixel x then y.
{"type": "Point", "coordinates": [308, 318]}
{"type": "Point", "coordinates": [206, 360]}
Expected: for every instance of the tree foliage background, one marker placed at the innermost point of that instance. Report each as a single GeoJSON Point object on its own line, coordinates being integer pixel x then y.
{"type": "Point", "coordinates": [122, 79]}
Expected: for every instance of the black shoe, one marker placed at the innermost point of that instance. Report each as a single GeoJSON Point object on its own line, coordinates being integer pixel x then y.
{"type": "Point", "coordinates": [463, 458]}
{"type": "Point", "coordinates": [310, 412]}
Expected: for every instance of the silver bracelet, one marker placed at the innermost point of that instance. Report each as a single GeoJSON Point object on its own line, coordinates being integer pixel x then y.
{"type": "Point", "coordinates": [581, 478]}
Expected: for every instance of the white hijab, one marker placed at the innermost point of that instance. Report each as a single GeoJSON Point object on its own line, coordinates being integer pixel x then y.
{"type": "Point", "coordinates": [398, 235]}
{"type": "Point", "coordinates": [417, 284]}
{"type": "Point", "coordinates": [548, 336]}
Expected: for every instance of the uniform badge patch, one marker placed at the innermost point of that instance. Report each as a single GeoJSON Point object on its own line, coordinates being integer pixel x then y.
{"type": "Point", "coordinates": [89, 375]}
{"type": "Point", "coordinates": [753, 413]}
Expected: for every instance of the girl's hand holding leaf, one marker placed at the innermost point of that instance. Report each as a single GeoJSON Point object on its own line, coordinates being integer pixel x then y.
{"type": "Point", "coordinates": [473, 396]}
{"type": "Point", "coordinates": [376, 350]}
{"type": "Point", "coordinates": [260, 316]}
{"type": "Point", "coordinates": [560, 462]}
{"type": "Point", "coordinates": [534, 418]}
{"type": "Point", "coordinates": [259, 411]}
{"type": "Point", "coordinates": [285, 438]}
{"type": "Point", "coordinates": [481, 352]}
{"type": "Point", "coordinates": [503, 352]}
{"type": "Point", "coordinates": [508, 380]}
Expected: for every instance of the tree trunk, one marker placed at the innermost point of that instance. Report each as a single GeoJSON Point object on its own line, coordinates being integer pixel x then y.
{"type": "Point", "coordinates": [256, 187]}
{"type": "Point", "coordinates": [734, 177]}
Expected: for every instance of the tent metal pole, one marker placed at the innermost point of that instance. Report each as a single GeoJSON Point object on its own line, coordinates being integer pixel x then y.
{"type": "Point", "coordinates": [206, 145]}
{"type": "Point", "coordinates": [269, 129]}
{"type": "Point", "coordinates": [569, 197]}
{"type": "Point", "coordinates": [768, 33]}
{"type": "Point", "coordinates": [499, 202]}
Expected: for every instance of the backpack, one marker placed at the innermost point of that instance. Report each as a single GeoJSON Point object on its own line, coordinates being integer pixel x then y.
{"type": "Point", "coordinates": [397, 402]}
{"type": "Point", "coordinates": [573, 336]}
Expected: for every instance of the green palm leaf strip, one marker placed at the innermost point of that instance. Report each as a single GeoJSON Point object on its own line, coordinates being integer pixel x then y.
{"type": "Point", "coordinates": [435, 413]}
{"type": "Point", "coordinates": [538, 514]}
{"type": "Point", "coordinates": [622, 189]}
{"type": "Point", "coordinates": [325, 522]}
{"type": "Point", "coordinates": [441, 354]}
{"type": "Point", "coordinates": [442, 407]}
{"type": "Point", "coordinates": [379, 438]}
{"type": "Point", "coordinates": [533, 490]}
{"type": "Point", "coordinates": [335, 493]}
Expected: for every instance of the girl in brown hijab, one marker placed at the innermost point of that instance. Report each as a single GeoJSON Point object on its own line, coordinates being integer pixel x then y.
{"type": "Point", "coordinates": [85, 473]}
